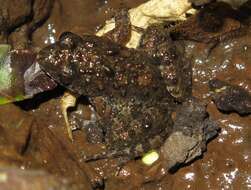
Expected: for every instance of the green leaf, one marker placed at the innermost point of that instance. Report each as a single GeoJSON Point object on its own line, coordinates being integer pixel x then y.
{"type": "Point", "coordinates": [5, 70]}
{"type": "Point", "coordinates": [8, 93]}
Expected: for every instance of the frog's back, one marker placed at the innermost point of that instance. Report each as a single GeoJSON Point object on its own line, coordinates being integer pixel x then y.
{"type": "Point", "coordinates": [95, 66]}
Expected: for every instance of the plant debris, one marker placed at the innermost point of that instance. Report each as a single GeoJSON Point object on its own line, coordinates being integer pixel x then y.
{"type": "Point", "coordinates": [19, 80]}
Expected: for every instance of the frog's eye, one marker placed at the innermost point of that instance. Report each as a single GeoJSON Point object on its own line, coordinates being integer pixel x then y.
{"type": "Point", "coordinates": [69, 39]}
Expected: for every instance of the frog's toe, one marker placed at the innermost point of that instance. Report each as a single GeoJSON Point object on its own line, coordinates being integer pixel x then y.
{"type": "Point", "coordinates": [68, 100]}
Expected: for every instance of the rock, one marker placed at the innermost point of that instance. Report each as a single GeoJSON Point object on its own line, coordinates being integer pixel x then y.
{"type": "Point", "coordinates": [230, 98]}
{"type": "Point", "coordinates": [180, 148]}
{"type": "Point", "coordinates": [192, 129]}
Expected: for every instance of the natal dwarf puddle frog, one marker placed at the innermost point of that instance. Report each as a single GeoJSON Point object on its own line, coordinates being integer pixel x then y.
{"type": "Point", "coordinates": [127, 87]}
{"type": "Point", "coordinates": [133, 91]}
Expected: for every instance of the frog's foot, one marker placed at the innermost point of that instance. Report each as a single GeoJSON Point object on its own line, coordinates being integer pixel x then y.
{"type": "Point", "coordinates": [68, 100]}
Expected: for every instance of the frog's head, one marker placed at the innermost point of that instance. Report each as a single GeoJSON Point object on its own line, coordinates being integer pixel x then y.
{"type": "Point", "coordinates": [57, 59]}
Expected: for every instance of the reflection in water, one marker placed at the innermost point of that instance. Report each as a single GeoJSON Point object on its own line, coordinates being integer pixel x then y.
{"type": "Point", "coordinates": [229, 178]}
{"type": "Point", "coordinates": [51, 38]}
{"type": "Point", "coordinates": [235, 127]}
{"type": "Point", "coordinates": [224, 134]}
{"type": "Point", "coordinates": [229, 46]}
{"type": "Point", "coordinates": [238, 141]}
{"type": "Point", "coordinates": [189, 176]}
{"type": "Point", "coordinates": [248, 181]}
{"type": "Point", "coordinates": [240, 66]}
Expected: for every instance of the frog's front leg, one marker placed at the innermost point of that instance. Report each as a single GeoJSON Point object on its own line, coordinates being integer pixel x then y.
{"type": "Point", "coordinates": [121, 34]}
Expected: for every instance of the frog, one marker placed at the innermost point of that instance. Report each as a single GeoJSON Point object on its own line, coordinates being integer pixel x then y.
{"type": "Point", "coordinates": [123, 85]}
{"type": "Point", "coordinates": [133, 91]}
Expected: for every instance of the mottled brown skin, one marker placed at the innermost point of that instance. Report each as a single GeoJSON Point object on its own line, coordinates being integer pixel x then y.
{"type": "Point", "coordinates": [134, 105]}
{"type": "Point", "coordinates": [96, 66]}
{"type": "Point", "coordinates": [157, 43]}
{"type": "Point", "coordinates": [131, 126]}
